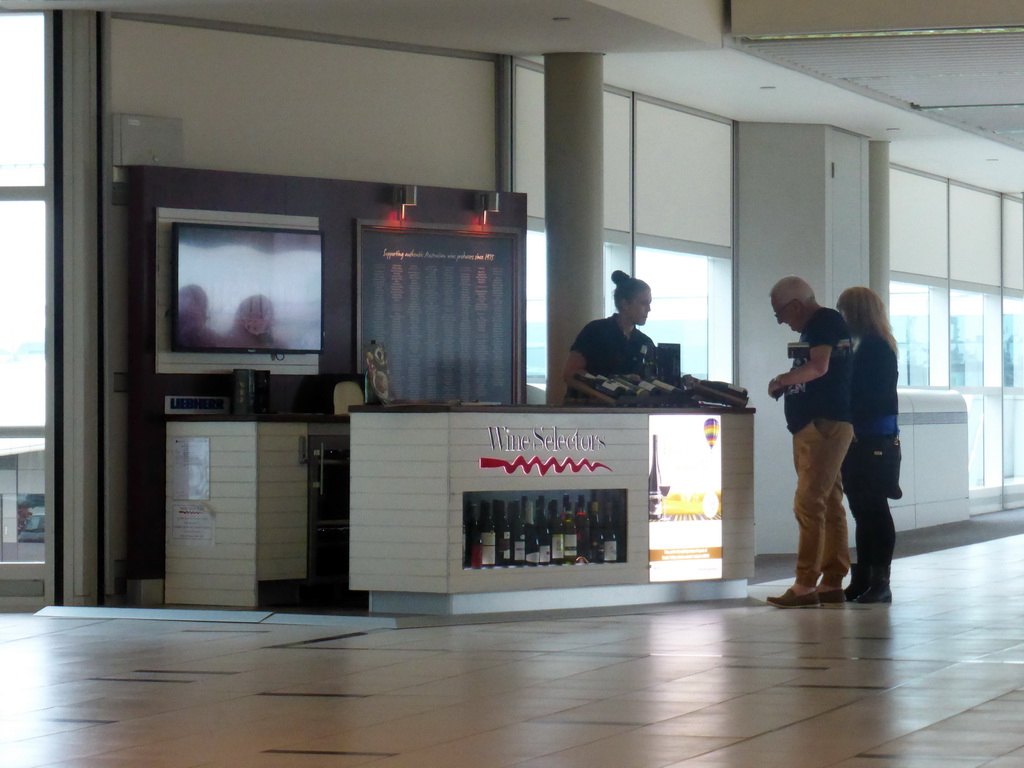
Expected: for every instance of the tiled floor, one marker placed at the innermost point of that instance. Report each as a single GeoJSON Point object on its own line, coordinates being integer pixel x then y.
{"type": "Point", "coordinates": [935, 680]}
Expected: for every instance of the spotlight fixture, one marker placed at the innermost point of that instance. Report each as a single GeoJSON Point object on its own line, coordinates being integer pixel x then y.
{"type": "Point", "coordinates": [405, 197]}
{"type": "Point", "coordinates": [488, 202]}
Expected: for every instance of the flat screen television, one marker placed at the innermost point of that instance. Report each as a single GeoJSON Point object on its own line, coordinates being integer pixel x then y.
{"type": "Point", "coordinates": [246, 289]}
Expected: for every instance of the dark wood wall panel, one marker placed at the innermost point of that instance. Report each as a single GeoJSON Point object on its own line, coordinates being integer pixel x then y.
{"type": "Point", "coordinates": [338, 205]}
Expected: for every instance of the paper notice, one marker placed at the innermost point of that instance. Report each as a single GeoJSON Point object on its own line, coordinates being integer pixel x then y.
{"type": "Point", "coordinates": [192, 525]}
{"type": "Point", "coordinates": [190, 470]}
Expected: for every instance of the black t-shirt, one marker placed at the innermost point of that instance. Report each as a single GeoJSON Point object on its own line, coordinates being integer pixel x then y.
{"type": "Point", "coordinates": [873, 383]}
{"type": "Point", "coordinates": [827, 397]}
{"type": "Point", "coordinates": [609, 353]}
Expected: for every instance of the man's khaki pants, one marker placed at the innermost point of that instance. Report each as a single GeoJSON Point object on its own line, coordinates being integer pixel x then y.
{"type": "Point", "coordinates": [818, 452]}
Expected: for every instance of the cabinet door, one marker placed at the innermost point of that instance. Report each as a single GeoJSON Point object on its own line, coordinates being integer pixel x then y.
{"type": "Point", "coordinates": [328, 508]}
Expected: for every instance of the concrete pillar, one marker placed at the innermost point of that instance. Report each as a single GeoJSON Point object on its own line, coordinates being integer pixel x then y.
{"type": "Point", "coordinates": [574, 201]}
{"type": "Point", "coordinates": [78, 389]}
{"type": "Point", "coordinates": [878, 218]}
{"type": "Point", "coordinates": [802, 203]}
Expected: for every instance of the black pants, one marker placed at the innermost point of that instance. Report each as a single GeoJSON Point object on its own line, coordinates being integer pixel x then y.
{"type": "Point", "coordinates": [875, 533]}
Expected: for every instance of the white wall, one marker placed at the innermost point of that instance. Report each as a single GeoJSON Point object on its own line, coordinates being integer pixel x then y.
{"type": "Point", "coordinates": [618, 135]}
{"type": "Point", "coordinates": [683, 175]}
{"type": "Point", "coordinates": [274, 105]}
{"type": "Point", "coordinates": [528, 139]}
{"type": "Point", "coordinates": [812, 230]}
{"type": "Point", "coordinates": [1013, 244]}
{"type": "Point", "coordinates": [975, 236]}
{"type": "Point", "coordinates": [918, 224]}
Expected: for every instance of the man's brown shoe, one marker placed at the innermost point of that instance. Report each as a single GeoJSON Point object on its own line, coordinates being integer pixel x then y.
{"type": "Point", "coordinates": [789, 599]}
{"type": "Point", "coordinates": [832, 597]}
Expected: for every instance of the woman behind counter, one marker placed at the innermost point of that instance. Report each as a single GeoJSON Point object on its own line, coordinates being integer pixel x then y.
{"type": "Point", "coordinates": [614, 346]}
{"type": "Point", "coordinates": [867, 482]}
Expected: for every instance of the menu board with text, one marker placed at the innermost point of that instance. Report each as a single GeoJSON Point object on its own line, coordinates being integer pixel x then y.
{"type": "Point", "coordinates": [443, 304]}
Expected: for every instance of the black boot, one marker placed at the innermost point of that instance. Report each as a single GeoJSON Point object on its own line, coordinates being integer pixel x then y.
{"type": "Point", "coordinates": [858, 582]}
{"type": "Point", "coordinates": [878, 586]}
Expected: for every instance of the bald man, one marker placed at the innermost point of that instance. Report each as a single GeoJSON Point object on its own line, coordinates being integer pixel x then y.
{"type": "Point", "coordinates": [817, 405]}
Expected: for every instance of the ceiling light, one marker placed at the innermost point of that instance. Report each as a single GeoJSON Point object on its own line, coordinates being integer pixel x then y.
{"type": "Point", "coordinates": [767, 87]}
{"type": "Point", "coordinates": [941, 107]}
{"type": "Point", "coordinates": [891, 33]}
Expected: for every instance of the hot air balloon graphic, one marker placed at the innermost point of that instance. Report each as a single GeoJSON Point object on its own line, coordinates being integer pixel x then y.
{"type": "Point", "coordinates": [710, 501]}
{"type": "Point", "coordinates": [711, 432]}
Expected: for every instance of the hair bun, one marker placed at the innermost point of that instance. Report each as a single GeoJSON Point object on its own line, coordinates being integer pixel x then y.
{"type": "Point", "coordinates": [619, 277]}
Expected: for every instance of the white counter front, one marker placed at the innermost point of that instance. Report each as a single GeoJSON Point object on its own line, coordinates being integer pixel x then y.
{"type": "Point", "coordinates": [684, 523]}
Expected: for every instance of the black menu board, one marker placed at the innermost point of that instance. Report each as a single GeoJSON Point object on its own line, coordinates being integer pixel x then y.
{"type": "Point", "coordinates": [443, 303]}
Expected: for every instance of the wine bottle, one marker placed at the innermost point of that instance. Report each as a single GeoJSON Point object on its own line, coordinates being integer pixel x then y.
{"type": "Point", "coordinates": [720, 392]}
{"type": "Point", "coordinates": [502, 535]}
{"type": "Point", "coordinates": [654, 483]}
{"type": "Point", "coordinates": [532, 549]}
{"type": "Point", "coordinates": [543, 533]}
{"type": "Point", "coordinates": [581, 523]}
{"type": "Point", "coordinates": [486, 536]}
{"type": "Point", "coordinates": [517, 530]}
{"type": "Point", "coordinates": [596, 534]}
{"type": "Point", "coordinates": [568, 531]}
{"type": "Point", "coordinates": [650, 358]}
{"type": "Point", "coordinates": [614, 535]}
{"type": "Point", "coordinates": [469, 534]}
{"type": "Point", "coordinates": [557, 534]}
{"type": "Point", "coordinates": [611, 545]}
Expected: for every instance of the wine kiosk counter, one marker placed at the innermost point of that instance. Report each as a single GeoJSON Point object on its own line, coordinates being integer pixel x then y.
{"type": "Point", "coordinates": [478, 509]}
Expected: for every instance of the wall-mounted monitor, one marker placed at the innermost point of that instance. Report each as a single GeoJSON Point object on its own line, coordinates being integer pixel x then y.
{"type": "Point", "coordinates": [246, 289]}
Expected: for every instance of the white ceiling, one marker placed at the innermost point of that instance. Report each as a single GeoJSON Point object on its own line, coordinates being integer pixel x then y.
{"type": "Point", "coordinates": [866, 92]}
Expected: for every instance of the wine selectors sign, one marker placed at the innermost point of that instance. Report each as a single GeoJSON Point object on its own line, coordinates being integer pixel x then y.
{"type": "Point", "coordinates": [521, 442]}
{"type": "Point", "coordinates": [444, 304]}
{"type": "Point", "coordinates": [685, 497]}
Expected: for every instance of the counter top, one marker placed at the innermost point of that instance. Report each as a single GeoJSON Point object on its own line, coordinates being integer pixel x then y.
{"type": "Point", "coordinates": [288, 418]}
{"type": "Point", "coordinates": [497, 408]}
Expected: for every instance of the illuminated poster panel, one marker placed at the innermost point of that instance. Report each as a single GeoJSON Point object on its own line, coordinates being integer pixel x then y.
{"type": "Point", "coordinates": [685, 497]}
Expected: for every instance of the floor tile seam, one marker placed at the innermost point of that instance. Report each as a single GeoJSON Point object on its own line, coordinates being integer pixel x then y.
{"type": "Point", "coordinates": [671, 761]}
{"type": "Point", "coordinates": [894, 659]}
{"type": "Point", "coordinates": [597, 737]}
{"type": "Point", "coordinates": [396, 662]}
{"type": "Point", "coordinates": [780, 728]}
{"type": "Point", "coordinates": [478, 733]}
{"type": "Point", "coordinates": [300, 643]}
{"type": "Point", "coordinates": [59, 631]}
{"type": "Point", "coordinates": [548, 681]}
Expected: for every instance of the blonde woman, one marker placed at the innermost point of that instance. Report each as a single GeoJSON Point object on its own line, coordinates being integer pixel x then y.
{"type": "Point", "coordinates": [871, 468]}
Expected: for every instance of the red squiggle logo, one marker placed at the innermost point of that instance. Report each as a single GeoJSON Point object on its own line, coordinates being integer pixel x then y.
{"type": "Point", "coordinates": [544, 467]}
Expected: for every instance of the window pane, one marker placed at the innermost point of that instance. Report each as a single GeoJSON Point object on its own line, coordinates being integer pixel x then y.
{"type": "Point", "coordinates": [909, 317]}
{"type": "Point", "coordinates": [22, 502]}
{"type": "Point", "coordinates": [966, 339]}
{"type": "Point", "coordinates": [680, 305]}
{"type": "Point", "coordinates": [1013, 439]}
{"type": "Point", "coordinates": [1013, 337]}
{"type": "Point", "coordinates": [22, 94]}
{"type": "Point", "coordinates": [22, 314]}
{"type": "Point", "coordinates": [23, 245]}
{"type": "Point", "coordinates": [975, 440]}
{"type": "Point", "coordinates": [536, 308]}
